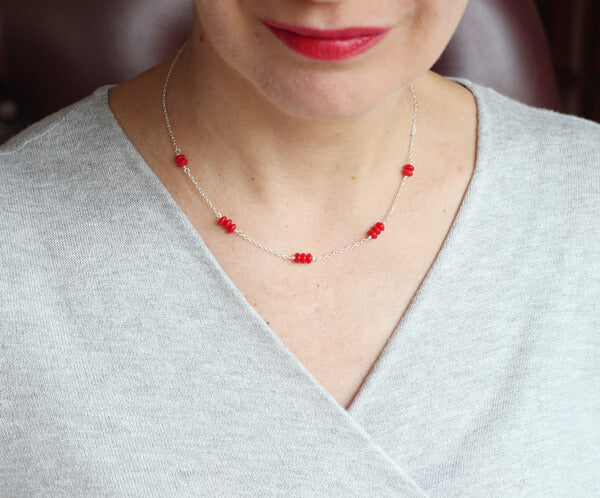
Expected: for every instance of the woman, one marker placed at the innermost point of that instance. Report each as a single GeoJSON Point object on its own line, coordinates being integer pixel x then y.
{"type": "Point", "coordinates": [445, 346]}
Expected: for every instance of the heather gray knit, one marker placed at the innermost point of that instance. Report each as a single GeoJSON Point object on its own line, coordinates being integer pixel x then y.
{"type": "Point", "coordinates": [130, 365]}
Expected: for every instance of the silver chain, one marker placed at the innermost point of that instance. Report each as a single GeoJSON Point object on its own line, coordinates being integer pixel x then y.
{"type": "Point", "coordinates": [237, 231]}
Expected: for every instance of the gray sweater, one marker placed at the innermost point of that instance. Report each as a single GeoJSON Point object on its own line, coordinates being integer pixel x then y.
{"type": "Point", "coordinates": [130, 365]}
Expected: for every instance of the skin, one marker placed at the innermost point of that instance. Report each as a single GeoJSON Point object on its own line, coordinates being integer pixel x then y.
{"type": "Point", "coordinates": [294, 86]}
{"type": "Point", "coordinates": [305, 155]}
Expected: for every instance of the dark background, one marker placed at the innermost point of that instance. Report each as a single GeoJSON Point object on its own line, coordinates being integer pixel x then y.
{"type": "Point", "coordinates": [573, 30]}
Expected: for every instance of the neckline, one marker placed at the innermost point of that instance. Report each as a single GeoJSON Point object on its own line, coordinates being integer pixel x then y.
{"type": "Point", "coordinates": [398, 335]}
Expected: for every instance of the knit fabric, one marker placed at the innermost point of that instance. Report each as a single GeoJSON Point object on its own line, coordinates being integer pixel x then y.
{"type": "Point", "coordinates": [131, 366]}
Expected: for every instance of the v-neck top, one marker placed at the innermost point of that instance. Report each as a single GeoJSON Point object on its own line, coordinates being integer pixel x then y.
{"type": "Point", "coordinates": [131, 365]}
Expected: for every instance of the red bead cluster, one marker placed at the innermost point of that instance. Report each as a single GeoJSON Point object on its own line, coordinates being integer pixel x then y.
{"type": "Point", "coordinates": [408, 170]}
{"type": "Point", "coordinates": [376, 229]}
{"type": "Point", "coordinates": [181, 160]}
{"type": "Point", "coordinates": [303, 258]}
{"type": "Point", "coordinates": [227, 224]}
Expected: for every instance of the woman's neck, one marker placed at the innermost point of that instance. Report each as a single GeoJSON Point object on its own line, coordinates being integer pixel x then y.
{"type": "Point", "coordinates": [289, 178]}
{"type": "Point", "coordinates": [268, 154]}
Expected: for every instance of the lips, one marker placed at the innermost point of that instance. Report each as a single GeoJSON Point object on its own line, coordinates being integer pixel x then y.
{"type": "Point", "coordinates": [326, 45]}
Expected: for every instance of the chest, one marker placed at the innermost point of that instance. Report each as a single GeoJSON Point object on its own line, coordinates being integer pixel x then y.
{"type": "Point", "coordinates": [336, 329]}
{"type": "Point", "coordinates": [335, 317]}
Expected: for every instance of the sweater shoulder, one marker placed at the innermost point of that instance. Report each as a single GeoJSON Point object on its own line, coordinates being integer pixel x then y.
{"type": "Point", "coordinates": [66, 131]}
{"type": "Point", "coordinates": [537, 149]}
{"type": "Point", "coordinates": [57, 147]}
{"type": "Point", "coordinates": [525, 127]}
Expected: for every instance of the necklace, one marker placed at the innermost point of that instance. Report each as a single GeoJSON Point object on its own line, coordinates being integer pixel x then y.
{"type": "Point", "coordinates": [227, 224]}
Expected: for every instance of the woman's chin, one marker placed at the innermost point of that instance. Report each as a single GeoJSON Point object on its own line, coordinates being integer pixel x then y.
{"type": "Point", "coordinates": [315, 99]}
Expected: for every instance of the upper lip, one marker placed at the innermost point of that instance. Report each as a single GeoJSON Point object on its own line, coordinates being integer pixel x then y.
{"type": "Point", "coordinates": [351, 32]}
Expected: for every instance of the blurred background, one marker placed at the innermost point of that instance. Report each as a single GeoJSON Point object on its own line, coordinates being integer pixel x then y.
{"type": "Point", "coordinates": [545, 53]}
{"type": "Point", "coordinates": [573, 31]}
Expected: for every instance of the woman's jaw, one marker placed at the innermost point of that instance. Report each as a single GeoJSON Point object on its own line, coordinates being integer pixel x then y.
{"type": "Point", "coordinates": [322, 60]}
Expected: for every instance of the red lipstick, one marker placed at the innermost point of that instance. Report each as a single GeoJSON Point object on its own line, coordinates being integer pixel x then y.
{"type": "Point", "coordinates": [326, 45]}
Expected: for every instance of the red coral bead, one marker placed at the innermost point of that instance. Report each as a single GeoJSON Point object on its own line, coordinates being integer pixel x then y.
{"type": "Point", "coordinates": [228, 223]}
{"type": "Point", "coordinates": [380, 225]}
{"type": "Point", "coordinates": [372, 234]}
{"type": "Point", "coordinates": [181, 160]}
{"type": "Point", "coordinates": [305, 258]}
{"type": "Point", "coordinates": [231, 228]}
{"type": "Point", "coordinates": [222, 220]}
{"type": "Point", "coordinates": [408, 170]}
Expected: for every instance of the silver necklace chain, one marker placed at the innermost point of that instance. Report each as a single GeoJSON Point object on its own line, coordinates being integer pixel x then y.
{"type": "Point", "coordinates": [241, 234]}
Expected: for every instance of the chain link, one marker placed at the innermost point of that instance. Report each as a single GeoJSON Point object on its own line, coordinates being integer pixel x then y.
{"type": "Point", "coordinates": [246, 237]}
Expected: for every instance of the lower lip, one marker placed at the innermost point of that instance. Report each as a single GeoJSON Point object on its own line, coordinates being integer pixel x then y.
{"type": "Point", "coordinates": [327, 47]}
